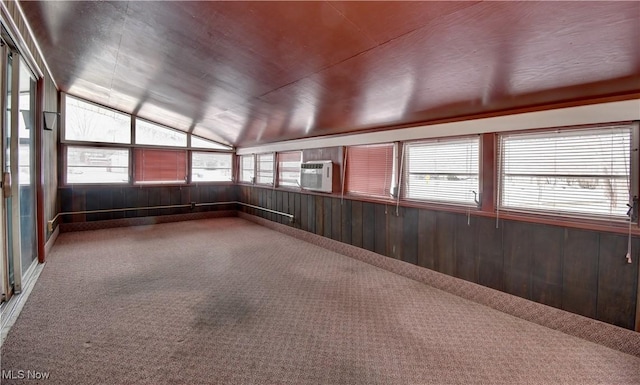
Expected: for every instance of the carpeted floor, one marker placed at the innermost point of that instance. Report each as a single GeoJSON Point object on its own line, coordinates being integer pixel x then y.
{"type": "Point", "coordinates": [228, 301]}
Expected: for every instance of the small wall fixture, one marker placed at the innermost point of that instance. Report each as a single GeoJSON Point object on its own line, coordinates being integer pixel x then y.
{"type": "Point", "coordinates": [50, 120]}
{"type": "Point", "coordinates": [27, 119]}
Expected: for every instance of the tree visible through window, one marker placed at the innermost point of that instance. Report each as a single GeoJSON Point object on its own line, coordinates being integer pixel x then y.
{"type": "Point", "coordinates": [155, 134]}
{"type": "Point", "coordinates": [91, 123]}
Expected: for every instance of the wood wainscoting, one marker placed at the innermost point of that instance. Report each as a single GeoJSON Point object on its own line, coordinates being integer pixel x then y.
{"type": "Point", "coordinates": [580, 271]}
{"type": "Point", "coordinates": [85, 198]}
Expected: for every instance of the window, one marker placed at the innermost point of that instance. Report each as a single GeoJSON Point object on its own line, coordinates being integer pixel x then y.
{"type": "Point", "coordinates": [154, 134]}
{"type": "Point", "coordinates": [110, 163]}
{"type": "Point", "coordinates": [289, 168]}
{"type": "Point", "coordinates": [246, 168]}
{"type": "Point", "coordinates": [197, 142]}
{"type": "Point", "coordinates": [264, 169]}
{"type": "Point", "coordinates": [97, 165]}
{"type": "Point", "coordinates": [160, 166]}
{"type": "Point", "coordinates": [210, 167]}
{"type": "Point", "coordinates": [442, 170]}
{"type": "Point", "coordinates": [584, 172]}
{"type": "Point", "coordinates": [370, 170]}
{"type": "Point", "coordinates": [91, 123]}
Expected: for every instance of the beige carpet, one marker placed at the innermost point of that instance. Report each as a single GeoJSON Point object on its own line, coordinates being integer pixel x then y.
{"type": "Point", "coordinates": [227, 301]}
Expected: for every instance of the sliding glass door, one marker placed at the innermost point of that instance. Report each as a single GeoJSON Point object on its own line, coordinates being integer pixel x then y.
{"type": "Point", "coordinates": [26, 171]}
{"type": "Point", "coordinates": [17, 212]}
{"type": "Point", "coordinates": [6, 83]}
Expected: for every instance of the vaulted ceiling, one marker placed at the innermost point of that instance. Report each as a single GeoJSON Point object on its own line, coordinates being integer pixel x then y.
{"type": "Point", "coordinates": [246, 73]}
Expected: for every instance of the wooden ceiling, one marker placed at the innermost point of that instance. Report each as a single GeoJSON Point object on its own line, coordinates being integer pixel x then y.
{"type": "Point", "coordinates": [247, 73]}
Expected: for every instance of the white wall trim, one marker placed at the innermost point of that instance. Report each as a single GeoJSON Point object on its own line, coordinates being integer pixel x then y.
{"type": "Point", "coordinates": [571, 116]}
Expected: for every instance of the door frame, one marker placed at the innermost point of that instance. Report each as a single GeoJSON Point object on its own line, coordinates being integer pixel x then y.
{"type": "Point", "coordinates": [5, 289]}
{"type": "Point", "coordinates": [14, 152]}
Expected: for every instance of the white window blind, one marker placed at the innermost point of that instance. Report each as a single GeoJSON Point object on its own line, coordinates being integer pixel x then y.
{"type": "Point", "coordinates": [370, 170]}
{"type": "Point", "coordinates": [264, 170]}
{"type": "Point", "coordinates": [442, 170]}
{"type": "Point", "coordinates": [579, 172]}
{"type": "Point", "coordinates": [289, 168]}
{"type": "Point", "coordinates": [246, 168]}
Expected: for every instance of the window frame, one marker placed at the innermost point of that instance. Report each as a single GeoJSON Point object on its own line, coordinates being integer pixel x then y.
{"type": "Point", "coordinates": [241, 169]}
{"type": "Point", "coordinates": [190, 167]}
{"type": "Point", "coordinates": [278, 170]}
{"type": "Point", "coordinates": [137, 182]}
{"type": "Point", "coordinates": [392, 186]}
{"type": "Point", "coordinates": [65, 165]}
{"type": "Point", "coordinates": [134, 135]}
{"type": "Point", "coordinates": [63, 125]}
{"type": "Point", "coordinates": [224, 148]}
{"type": "Point", "coordinates": [566, 217]}
{"type": "Point", "coordinates": [131, 147]}
{"type": "Point", "coordinates": [256, 166]}
{"type": "Point", "coordinates": [404, 173]}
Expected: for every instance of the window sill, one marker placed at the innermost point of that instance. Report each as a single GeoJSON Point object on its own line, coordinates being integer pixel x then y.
{"type": "Point", "coordinates": [616, 227]}
{"type": "Point", "coordinates": [289, 188]}
{"type": "Point", "coordinates": [97, 184]}
{"type": "Point", "coordinates": [142, 185]}
{"type": "Point", "coordinates": [199, 182]}
{"type": "Point", "coordinates": [160, 183]}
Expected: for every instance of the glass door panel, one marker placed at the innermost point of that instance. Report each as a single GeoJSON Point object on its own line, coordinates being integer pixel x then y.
{"type": "Point", "coordinates": [26, 172]}
{"type": "Point", "coordinates": [5, 261]}
{"type": "Point", "coordinates": [17, 214]}
{"type": "Point", "coordinates": [6, 169]}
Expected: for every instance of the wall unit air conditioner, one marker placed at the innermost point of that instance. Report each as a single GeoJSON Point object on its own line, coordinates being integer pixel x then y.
{"type": "Point", "coordinates": [317, 175]}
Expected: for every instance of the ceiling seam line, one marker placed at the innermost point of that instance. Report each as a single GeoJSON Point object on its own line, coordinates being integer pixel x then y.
{"type": "Point", "coordinates": [353, 23]}
{"type": "Point", "coordinates": [115, 66]}
{"type": "Point", "coordinates": [425, 26]}
{"type": "Point", "coordinates": [358, 54]}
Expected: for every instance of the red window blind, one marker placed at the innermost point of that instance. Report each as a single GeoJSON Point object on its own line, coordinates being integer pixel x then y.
{"type": "Point", "coordinates": [370, 170]}
{"type": "Point", "coordinates": [160, 166]}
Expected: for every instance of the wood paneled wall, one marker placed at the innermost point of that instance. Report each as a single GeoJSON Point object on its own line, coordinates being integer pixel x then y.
{"type": "Point", "coordinates": [113, 197]}
{"type": "Point", "coordinates": [50, 155]}
{"type": "Point", "coordinates": [50, 138]}
{"type": "Point", "coordinates": [584, 272]}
